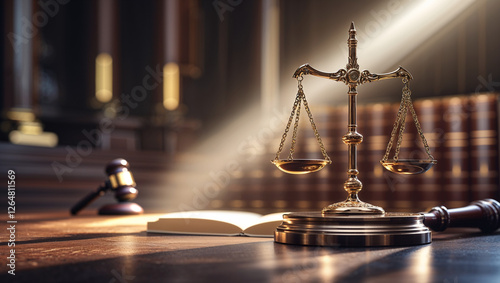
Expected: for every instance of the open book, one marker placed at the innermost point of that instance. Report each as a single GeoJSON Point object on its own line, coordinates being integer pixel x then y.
{"type": "Point", "coordinates": [217, 222]}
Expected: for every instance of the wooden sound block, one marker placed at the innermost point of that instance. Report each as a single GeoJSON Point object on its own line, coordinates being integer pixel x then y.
{"type": "Point", "coordinates": [123, 208]}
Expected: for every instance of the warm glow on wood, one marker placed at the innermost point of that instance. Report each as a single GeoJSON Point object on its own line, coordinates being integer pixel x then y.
{"type": "Point", "coordinates": [456, 170]}
{"type": "Point", "coordinates": [483, 169]}
{"type": "Point", "coordinates": [104, 77]}
{"type": "Point", "coordinates": [171, 77]}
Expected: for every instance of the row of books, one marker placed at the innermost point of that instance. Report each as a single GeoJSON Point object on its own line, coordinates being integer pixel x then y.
{"type": "Point", "coordinates": [462, 133]}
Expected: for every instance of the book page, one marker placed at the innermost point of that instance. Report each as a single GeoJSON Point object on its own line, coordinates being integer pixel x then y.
{"type": "Point", "coordinates": [210, 222]}
{"type": "Point", "coordinates": [265, 226]}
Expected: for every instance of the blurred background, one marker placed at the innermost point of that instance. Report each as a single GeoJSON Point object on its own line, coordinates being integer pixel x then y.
{"type": "Point", "coordinates": [195, 94]}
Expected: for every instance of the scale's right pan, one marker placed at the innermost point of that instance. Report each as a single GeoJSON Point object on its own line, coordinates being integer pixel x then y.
{"type": "Point", "coordinates": [408, 166]}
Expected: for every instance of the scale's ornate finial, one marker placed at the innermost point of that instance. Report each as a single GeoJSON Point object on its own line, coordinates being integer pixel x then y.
{"type": "Point", "coordinates": [352, 42]}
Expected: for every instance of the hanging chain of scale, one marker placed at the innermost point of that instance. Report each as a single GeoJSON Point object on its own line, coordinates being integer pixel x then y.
{"type": "Point", "coordinates": [300, 166]}
{"type": "Point", "coordinates": [353, 77]}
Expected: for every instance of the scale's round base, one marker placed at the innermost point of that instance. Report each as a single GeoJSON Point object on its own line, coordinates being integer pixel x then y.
{"type": "Point", "coordinates": [349, 207]}
{"type": "Point", "coordinates": [317, 229]}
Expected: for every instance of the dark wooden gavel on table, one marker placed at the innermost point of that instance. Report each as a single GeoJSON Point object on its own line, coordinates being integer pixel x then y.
{"type": "Point", "coordinates": [482, 214]}
{"type": "Point", "coordinates": [121, 181]}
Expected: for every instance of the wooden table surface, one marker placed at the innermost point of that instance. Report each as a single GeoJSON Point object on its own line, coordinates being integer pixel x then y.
{"type": "Point", "coordinates": [56, 247]}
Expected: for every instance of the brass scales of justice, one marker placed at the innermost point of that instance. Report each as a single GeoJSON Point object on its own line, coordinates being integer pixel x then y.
{"type": "Point", "coordinates": [353, 222]}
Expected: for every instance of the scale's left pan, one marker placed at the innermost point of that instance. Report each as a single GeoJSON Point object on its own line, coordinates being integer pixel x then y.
{"type": "Point", "coordinates": [301, 166]}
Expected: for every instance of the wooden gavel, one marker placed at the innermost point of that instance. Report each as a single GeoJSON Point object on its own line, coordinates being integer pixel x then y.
{"type": "Point", "coordinates": [482, 214]}
{"type": "Point", "coordinates": [120, 181]}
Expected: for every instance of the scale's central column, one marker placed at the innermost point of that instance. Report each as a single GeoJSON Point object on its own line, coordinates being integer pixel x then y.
{"type": "Point", "coordinates": [352, 138]}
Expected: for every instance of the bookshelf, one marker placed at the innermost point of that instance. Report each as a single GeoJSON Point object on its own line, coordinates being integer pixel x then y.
{"type": "Point", "coordinates": [462, 132]}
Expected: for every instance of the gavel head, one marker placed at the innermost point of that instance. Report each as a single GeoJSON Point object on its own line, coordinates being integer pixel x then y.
{"type": "Point", "coordinates": [121, 180]}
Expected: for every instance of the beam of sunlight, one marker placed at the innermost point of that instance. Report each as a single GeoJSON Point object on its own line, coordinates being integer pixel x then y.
{"type": "Point", "coordinates": [203, 175]}
{"type": "Point", "coordinates": [382, 51]}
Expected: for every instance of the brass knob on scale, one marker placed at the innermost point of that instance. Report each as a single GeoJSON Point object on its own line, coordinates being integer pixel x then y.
{"type": "Point", "coordinates": [353, 222]}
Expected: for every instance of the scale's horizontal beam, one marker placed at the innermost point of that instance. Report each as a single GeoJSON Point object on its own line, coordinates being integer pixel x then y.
{"type": "Point", "coordinates": [306, 69]}
{"type": "Point", "coordinates": [367, 77]}
{"type": "Point", "coordinates": [341, 75]}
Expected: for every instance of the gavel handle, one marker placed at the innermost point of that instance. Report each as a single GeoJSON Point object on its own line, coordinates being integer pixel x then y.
{"type": "Point", "coordinates": [88, 199]}
{"type": "Point", "coordinates": [483, 214]}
